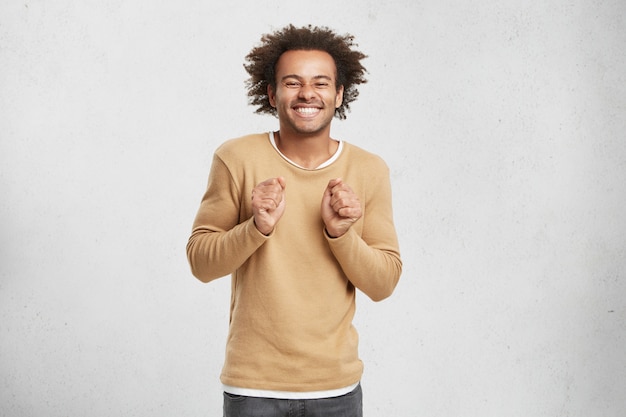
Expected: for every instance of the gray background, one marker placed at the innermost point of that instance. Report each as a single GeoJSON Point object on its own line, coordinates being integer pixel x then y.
{"type": "Point", "coordinates": [503, 124]}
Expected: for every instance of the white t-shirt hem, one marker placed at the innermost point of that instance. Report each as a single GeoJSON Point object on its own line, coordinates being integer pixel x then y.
{"type": "Point", "coordinates": [289, 395]}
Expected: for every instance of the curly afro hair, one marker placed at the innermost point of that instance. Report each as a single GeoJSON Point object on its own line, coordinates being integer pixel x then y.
{"type": "Point", "coordinates": [261, 63]}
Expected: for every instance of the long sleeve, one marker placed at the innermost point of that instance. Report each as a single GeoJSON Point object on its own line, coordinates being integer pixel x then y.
{"type": "Point", "coordinates": [371, 259]}
{"type": "Point", "coordinates": [219, 242]}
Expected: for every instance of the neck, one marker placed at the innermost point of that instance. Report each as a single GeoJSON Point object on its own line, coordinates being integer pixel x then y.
{"type": "Point", "coordinates": [308, 151]}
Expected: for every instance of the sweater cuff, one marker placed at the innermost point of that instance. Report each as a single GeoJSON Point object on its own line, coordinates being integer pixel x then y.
{"type": "Point", "coordinates": [253, 231]}
{"type": "Point", "coordinates": [350, 234]}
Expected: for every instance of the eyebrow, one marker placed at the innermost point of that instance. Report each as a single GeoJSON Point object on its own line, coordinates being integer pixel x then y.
{"type": "Point", "coordinates": [317, 77]}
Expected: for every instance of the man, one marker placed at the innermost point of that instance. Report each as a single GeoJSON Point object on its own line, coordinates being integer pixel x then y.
{"type": "Point", "coordinates": [300, 220]}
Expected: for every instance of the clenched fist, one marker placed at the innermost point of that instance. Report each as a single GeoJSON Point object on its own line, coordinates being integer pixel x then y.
{"type": "Point", "coordinates": [268, 204]}
{"type": "Point", "coordinates": [341, 207]}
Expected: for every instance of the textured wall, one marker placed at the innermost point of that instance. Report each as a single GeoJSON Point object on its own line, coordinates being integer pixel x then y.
{"type": "Point", "coordinates": [503, 124]}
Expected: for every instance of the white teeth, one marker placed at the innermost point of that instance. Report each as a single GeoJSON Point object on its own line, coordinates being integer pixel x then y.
{"type": "Point", "coordinates": [307, 110]}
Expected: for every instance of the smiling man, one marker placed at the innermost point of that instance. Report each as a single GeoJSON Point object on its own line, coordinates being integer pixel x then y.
{"type": "Point", "coordinates": [301, 221]}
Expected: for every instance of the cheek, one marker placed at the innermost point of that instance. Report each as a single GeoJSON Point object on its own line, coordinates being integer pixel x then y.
{"type": "Point", "coordinates": [279, 99]}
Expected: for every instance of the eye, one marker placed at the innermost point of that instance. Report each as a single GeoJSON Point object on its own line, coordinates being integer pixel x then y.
{"type": "Point", "coordinates": [321, 84]}
{"type": "Point", "coordinates": [293, 84]}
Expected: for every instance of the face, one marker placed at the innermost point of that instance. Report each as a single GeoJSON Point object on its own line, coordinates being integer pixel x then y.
{"type": "Point", "coordinates": [306, 94]}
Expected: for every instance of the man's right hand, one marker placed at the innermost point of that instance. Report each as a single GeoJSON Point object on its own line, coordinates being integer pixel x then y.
{"type": "Point", "coordinates": [268, 204]}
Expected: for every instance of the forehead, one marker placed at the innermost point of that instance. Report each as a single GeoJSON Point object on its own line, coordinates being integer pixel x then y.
{"type": "Point", "coordinates": [306, 64]}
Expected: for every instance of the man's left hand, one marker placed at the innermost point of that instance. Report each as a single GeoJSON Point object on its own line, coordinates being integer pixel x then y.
{"type": "Point", "coordinates": [341, 207]}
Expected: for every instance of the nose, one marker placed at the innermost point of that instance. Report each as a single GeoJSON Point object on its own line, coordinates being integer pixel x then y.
{"type": "Point", "coordinates": [306, 91]}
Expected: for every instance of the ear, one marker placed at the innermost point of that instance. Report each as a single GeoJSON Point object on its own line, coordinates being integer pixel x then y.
{"type": "Point", "coordinates": [339, 98]}
{"type": "Point", "coordinates": [271, 95]}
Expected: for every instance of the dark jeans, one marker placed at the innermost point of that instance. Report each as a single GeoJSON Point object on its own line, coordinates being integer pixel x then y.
{"type": "Point", "coordinates": [349, 405]}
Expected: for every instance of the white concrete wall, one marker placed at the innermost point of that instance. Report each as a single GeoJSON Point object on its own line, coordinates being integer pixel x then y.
{"type": "Point", "coordinates": [504, 126]}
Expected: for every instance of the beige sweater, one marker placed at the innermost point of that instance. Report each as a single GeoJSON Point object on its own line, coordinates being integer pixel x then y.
{"type": "Point", "coordinates": [293, 292]}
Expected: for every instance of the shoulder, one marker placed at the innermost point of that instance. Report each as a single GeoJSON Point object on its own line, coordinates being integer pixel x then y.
{"type": "Point", "coordinates": [244, 145]}
{"type": "Point", "coordinates": [362, 157]}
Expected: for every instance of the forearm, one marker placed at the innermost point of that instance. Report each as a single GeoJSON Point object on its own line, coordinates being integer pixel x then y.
{"type": "Point", "coordinates": [373, 270]}
{"type": "Point", "coordinates": [213, 254]}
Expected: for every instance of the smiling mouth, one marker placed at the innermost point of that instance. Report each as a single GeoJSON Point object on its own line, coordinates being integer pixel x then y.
{"type": "Point", "coordinates": [307, 111]}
